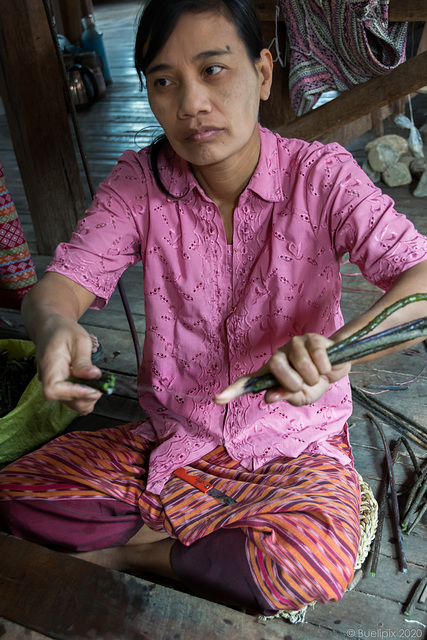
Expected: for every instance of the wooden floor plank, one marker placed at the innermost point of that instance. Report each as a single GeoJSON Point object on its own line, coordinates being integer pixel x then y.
{"type": "Point", "coordinates": [369, 616]}
{"type": "Point", "coordinates": [12, 631]}
{"type": "Point", "coordinates": [399, 585]}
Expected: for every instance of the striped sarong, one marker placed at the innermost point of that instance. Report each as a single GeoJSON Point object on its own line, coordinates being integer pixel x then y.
{"type": "Point", "coordinates": [299, 516]}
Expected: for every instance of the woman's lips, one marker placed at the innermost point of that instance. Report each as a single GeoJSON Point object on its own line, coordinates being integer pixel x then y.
{"type": "Point", "coordinates": [203, 134]}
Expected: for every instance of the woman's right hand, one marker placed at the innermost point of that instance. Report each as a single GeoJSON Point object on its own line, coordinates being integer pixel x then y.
{"type": "Point", "coordinates": [64, 349]}
{"type": "Point", "coordinates": [51, 311]}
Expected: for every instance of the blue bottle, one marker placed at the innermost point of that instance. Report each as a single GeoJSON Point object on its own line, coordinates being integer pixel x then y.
{"type": "Point", "coordinates": [92, 40]}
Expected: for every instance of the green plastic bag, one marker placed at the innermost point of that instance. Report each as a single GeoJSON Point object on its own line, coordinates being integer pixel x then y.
{"type": "Point", "coordinates": [34, 421]}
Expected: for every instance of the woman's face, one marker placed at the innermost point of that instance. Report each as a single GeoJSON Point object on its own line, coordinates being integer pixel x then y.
{"type": "Point", "coordinates": [205, 90]}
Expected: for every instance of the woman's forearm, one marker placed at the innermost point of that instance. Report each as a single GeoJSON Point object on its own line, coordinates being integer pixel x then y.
{"type": "Point", "coordinates": [412, 281]}
{"type": "Point", "coordinates": [54, 295]}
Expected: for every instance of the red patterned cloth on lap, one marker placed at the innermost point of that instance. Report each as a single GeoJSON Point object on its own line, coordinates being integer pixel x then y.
{"type": "Point", "coordinates": [299, 516]}
{"type": "Point", "coordinates": [17, 271]}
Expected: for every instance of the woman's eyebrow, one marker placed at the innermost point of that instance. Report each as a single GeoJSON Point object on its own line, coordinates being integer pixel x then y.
{"type": "Point", "coordinates": [210, 53]}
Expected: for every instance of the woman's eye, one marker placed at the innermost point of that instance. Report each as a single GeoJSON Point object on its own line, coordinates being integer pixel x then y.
{"type": "Point", "coordinates": [162, 82]}
{"type": "Point", "coordinates": [213, 70]}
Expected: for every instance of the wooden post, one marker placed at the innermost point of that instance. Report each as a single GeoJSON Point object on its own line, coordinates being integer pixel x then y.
{"type": "Point", "coordinates": [72, 12]}
{"type": "Point", "coordinates": [32, 91]}
{"type": "Point", "coordinates": [277, 109]}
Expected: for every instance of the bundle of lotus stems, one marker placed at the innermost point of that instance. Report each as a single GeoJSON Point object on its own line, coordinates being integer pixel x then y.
{"type": "Point", "coordinates": [358, 346]}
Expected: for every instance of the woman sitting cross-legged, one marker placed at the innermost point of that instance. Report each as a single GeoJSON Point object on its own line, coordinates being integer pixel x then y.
{"type": "Point", "coordinates": [241, 234]}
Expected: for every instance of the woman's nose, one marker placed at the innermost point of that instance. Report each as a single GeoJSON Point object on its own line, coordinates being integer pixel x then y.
{"type": "Point", "coordinates": [193, 100]}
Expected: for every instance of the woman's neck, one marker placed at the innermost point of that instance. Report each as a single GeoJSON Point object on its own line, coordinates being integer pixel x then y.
{"type": "Point", "coordinates": [225, 181]}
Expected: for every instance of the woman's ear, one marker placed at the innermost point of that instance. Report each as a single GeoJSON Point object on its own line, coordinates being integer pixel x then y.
{"type": "Point", "coordinates": [265, 68]}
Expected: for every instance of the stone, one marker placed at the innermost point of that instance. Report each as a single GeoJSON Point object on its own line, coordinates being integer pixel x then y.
{"type": "Point", "coordinates": [417, 167]}
{"type": "Point", "coordinates": [375, 176]}
{"type": "Point", "coordinates": [397, 175]}
{"type": "Point", "coordinates": [398, 143]}
{"type": "Point", "coordinates": [421, 188]}
{"type": "Point", "coordinates": [382, 156]}
{"type": "Point", "coordinates": [406, 159]}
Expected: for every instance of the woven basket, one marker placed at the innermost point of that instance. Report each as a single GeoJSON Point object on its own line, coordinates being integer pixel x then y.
{"type": "Point", "coordinates": [368, 522]}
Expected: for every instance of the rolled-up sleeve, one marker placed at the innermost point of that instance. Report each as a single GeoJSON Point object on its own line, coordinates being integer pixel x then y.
{"type": "Point", "coordinates": [361, 220]}
{"type": "Point", "coordinates": [109, 238]}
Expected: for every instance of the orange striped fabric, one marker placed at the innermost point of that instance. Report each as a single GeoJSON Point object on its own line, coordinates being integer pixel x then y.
{"type": "Point", "coordinates": [300, 515]}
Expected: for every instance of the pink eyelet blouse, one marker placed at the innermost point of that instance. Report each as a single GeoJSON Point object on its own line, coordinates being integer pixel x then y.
{"type": "Point", "coordinates": [215, 312]}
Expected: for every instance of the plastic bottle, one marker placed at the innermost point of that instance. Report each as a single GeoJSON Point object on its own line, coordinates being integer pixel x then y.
{"type": "Point", "coordinates": [92, 40]}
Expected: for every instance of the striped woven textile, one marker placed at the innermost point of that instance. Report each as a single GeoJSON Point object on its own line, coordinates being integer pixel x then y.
{"type": "Point", "coordinates": [17, 271]}
{"type": "Point", "coordinates": [300, 515]}
{"type": "Point", "coordinates": [338, 44]}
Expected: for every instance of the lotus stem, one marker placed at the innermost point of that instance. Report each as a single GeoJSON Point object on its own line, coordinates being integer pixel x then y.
{"type": "Point", "coordinates": [405, 426]}
{"type": "Point", "coordinates": [381, 514]}
{"type": "Point", "coordinates": [417, 593]}
{"type": "Point", "coordinates": [412, 456]}
{"type": "Point", "coordinates": [399, 304]}
{"type": "Point", "coordinates": [357, 346]}
{"type": "Point", "coordinates": [395, 505]}
{"type": "Point", "coordinates": [106, 383]}
{"type": "Point", "coordinates": [415, 497]}
{"type": "Point", "coordinates": [420, 514]}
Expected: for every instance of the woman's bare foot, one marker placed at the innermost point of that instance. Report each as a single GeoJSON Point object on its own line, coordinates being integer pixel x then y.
{"type": "Point", "coordinates": [147, 550]}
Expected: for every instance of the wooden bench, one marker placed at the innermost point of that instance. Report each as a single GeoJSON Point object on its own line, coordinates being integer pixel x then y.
{"type": "Point", "coordinates": [46, 594]}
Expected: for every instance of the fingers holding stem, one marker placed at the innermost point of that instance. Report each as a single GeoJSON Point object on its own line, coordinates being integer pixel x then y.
{"type": "Point", "coordinates": [299, 373]}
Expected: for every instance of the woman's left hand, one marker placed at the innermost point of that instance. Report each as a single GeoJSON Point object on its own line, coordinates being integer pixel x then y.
{"type": "Point", "coordinates": [302, 369]}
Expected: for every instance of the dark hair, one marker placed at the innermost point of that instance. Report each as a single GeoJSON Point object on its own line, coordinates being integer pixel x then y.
{"type": "Point", "coordinates": [159, 19]}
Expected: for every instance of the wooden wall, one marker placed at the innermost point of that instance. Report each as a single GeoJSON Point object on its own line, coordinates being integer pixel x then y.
{"type": "Point", "coordinates": [31, 88]}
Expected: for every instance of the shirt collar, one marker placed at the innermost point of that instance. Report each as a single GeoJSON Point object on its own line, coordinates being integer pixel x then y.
{"type": "Point", "coordinates": [266, 181]}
